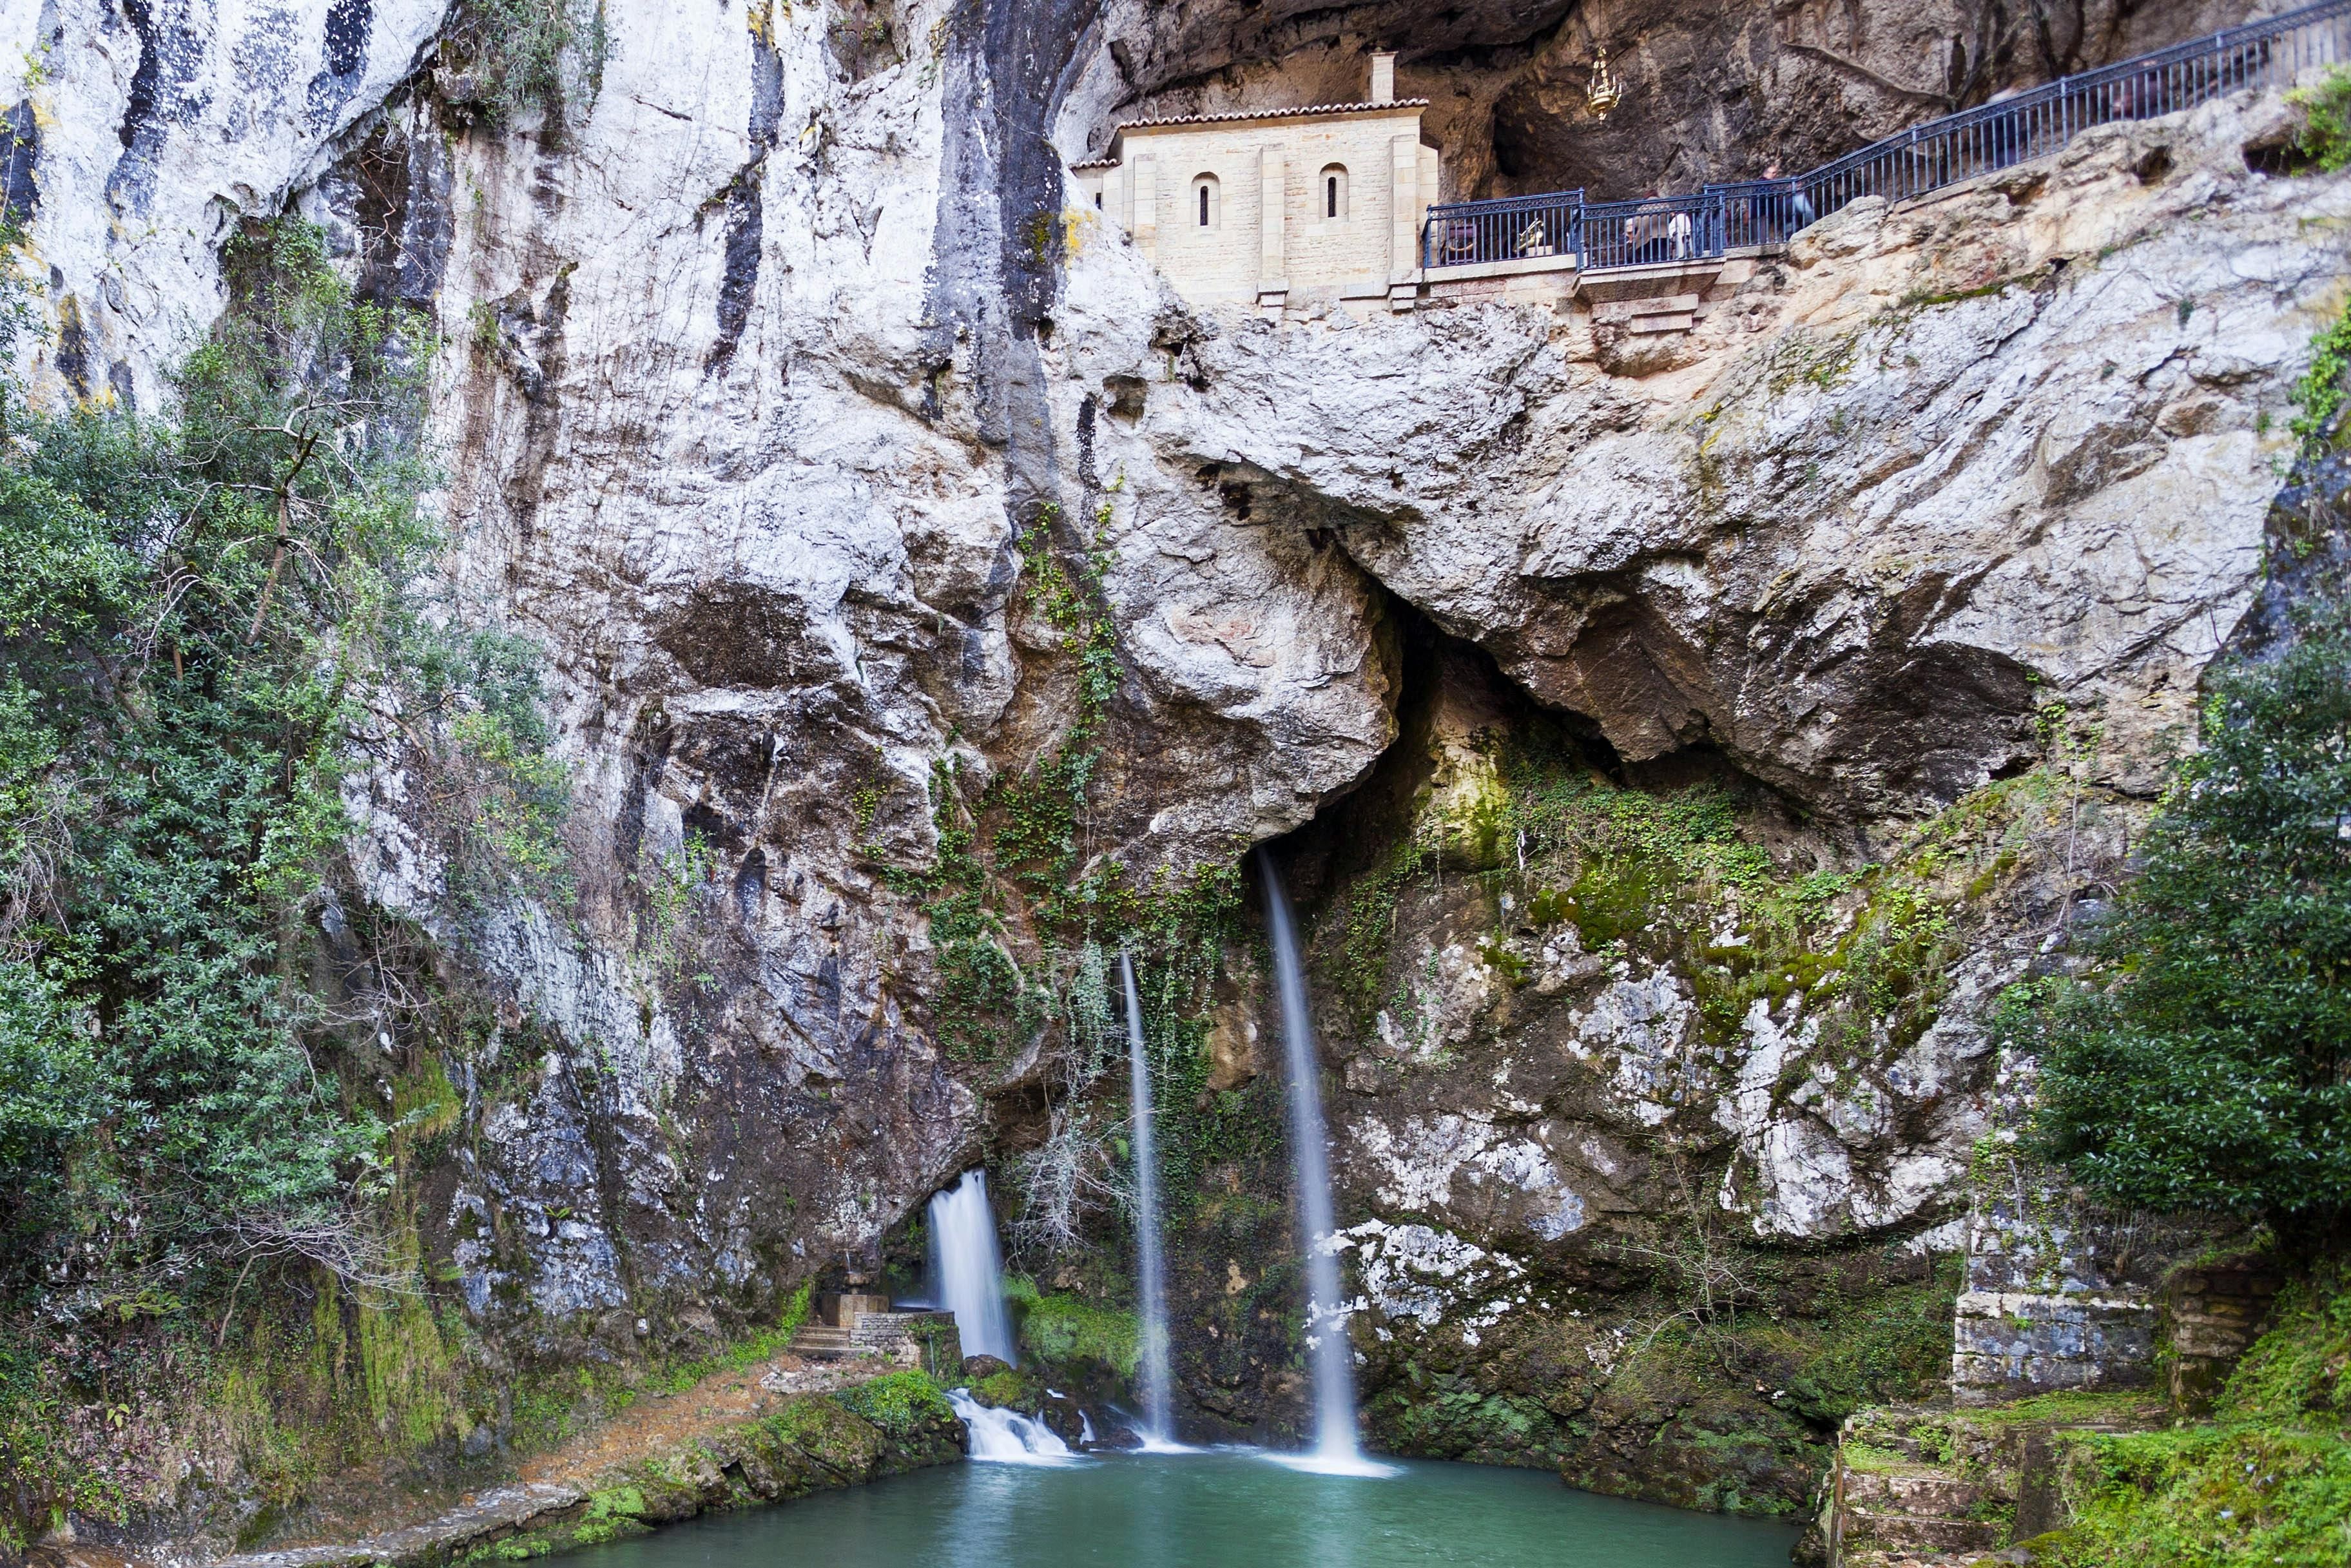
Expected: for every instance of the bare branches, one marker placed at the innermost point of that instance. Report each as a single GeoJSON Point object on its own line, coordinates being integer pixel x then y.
{"type": "Point", "coordinates": [40, 831]}
{"type": "Point", "coordinates": [340, 1241]}
{"type": "Point", "coordinates": [1704, 1274]}
{"type": "Point", "coordinates": [1063, 1180]}
{"type": "Point", "coordinates": [309, 443]}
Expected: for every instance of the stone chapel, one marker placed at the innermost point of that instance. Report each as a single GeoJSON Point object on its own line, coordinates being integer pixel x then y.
{"type": "Point", "coordinates": [1280, 207]}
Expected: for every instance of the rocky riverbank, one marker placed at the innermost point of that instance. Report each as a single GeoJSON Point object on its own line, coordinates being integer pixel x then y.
{"type": "Point", "coordinates": [765, 1432]}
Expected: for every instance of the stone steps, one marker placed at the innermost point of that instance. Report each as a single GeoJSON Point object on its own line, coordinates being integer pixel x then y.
{"type": "Point", "coordinates": [823, 1341]}
{"type": "Point", "coordinates": [1866, 1530]}
{"type": "Point", "coordinates": [1924, 1493]}
{"type": "Point", "coordinates": [1921, 1510]}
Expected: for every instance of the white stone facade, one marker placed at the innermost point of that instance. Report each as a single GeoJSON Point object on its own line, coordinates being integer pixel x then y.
{"type": "Point", "coordinates": [1278, 208]}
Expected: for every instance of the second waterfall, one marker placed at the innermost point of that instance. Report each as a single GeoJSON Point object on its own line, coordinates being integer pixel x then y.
{"type": "Point", "coordinates": [1333, 1354]}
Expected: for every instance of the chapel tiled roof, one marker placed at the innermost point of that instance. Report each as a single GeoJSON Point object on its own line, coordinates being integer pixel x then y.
{"type": "Point", "coordinates": [1273, 114]}
{"type": "Point", "coordinates": [1125, 125]}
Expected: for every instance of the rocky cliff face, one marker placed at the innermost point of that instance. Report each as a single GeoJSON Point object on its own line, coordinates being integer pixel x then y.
{"type": "Point", "coordinates": [1713, 91]}
{"type": "Point", "coordinates": [844, 475]}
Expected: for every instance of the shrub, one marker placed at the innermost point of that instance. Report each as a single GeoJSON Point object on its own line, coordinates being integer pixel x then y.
{"type": "Point", "coordinates": [201, 620]}
{"type": "Point", "coordinates": [509, 56]}
{"type": "Point", "coordinates": [2325, 135]}
{"type": "Point", "coordinates": [2321, 391]}
{"type": "Point", "coordinates": [898, 1402]}
{"type": "Point", "coordinates": [2200, 1064]}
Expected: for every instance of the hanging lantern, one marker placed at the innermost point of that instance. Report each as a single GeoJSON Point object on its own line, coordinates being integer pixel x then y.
{"type": "Point", "coordinates": [1603, 93]}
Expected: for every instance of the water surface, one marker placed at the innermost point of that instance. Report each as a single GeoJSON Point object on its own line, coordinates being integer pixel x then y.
{"type": "Point", "coordinates": [1220, 1509]}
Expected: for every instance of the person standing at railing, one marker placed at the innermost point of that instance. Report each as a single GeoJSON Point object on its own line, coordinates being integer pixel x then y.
{"type": "Point", "coordinates": [1645, 232]}
{"type": "Point", "coordinates": [1788, 210]}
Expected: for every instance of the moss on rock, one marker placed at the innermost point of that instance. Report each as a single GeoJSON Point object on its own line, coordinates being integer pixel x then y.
{"type": "Point", "coordinates": [1066, 1329]}
{"type": "Point", "coordinates": [891, 1423]}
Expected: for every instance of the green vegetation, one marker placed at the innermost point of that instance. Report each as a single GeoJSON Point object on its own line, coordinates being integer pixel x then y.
{"type": "Point", "coordinates": [2267, 1481]}
{"type": "Point", "coordinates": [207, 622]}
{"type": "Point", "coordinates": [1732, 1405]}
{"type": "Point", "coordinates": [505, 58]}
{"type": "Point", "coordinates": [1026, 923]}
{"type": "Point", "coordinates": [201, 625]}
{"type": "Point", "coordinates": [1061, 1329]}
{"type": "Point", "coordinates": [1879, 1344]}
{"type": "Point", "coordinates": [1013, 859]}
{"type": "Point", "coordinates": [900, 1403]}
{"type": "Point", "coordinates": [815, 1442]}
{"type": "Point", "coordinates": [764, 1346]}
{"type": "Point", "coordinates": [2325, 135]}
{"type": "Point", "coordinates": [2323, 387]}
{"type": "Point", "coordinates": [2202, 1063]}
{"type": "Point", "coordinates": [1674, 877]}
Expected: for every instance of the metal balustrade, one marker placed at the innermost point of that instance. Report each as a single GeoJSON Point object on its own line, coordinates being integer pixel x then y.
{"type": "Point", "coordinates": [1516, 228]}
{"type": "Point", "coordinates": [1761, 214]}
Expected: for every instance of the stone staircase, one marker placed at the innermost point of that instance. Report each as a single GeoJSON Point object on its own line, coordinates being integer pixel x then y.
{"type": "Point", "coordinates": [830, 1331]}
{"type": "Point", "coordinates": [1893, 1496]}
{"type": "Point", "coordinates": [851, 1325]}
{"type": "Point", "coordinates": [1917, 1485]}
{"type": "Point", "coordinates": [823, 1341]}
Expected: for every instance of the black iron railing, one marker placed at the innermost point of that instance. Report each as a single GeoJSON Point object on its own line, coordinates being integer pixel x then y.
{"type": "Point", "coordinates": [1762, 214]}
{"type": "Point", "coordinates": [1637, 234]}
{"type": "Point", "coordinates": [1516, 228]}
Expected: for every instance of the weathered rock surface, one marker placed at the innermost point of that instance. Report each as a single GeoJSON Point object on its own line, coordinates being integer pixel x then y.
{"type": "Point", "coordinates": [759, 369]}
{"type": "Point", "coordinates": [1712, 90]}
{"type": "Point", "coordinates": [2011, 441]}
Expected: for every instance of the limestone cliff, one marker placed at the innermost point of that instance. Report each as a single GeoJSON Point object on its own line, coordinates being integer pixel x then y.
{"type": "Point", "coordinates": [843, 475]}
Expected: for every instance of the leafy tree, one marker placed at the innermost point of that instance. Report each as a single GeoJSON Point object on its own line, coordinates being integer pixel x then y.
{"type": "Point", "coordinates": [202, 621]}
{"type": "Point", "coordinates": [2204, 1061]}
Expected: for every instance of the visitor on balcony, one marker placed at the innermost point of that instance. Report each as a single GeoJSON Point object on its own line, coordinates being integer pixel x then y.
{"type": "Point", "coordinates": [1648, 233]}
{"type": "Point", "coordinates": [1789, 210]}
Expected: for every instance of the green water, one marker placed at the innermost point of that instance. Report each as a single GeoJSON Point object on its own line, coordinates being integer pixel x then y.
{"type": "Point", "coordinates": [1206, 1510]}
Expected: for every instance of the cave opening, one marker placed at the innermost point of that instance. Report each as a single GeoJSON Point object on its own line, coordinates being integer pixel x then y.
{"type": "Point", "coordinates": [1453, 693]}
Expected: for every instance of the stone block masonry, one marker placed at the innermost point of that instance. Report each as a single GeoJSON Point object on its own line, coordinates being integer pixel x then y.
{"type": "Point", "coordinates": [1278, 208]}
{"type": "Point", "coordinates": [2063, 1297]}
{"type": "Point", "coordinates": [2211, 1314]}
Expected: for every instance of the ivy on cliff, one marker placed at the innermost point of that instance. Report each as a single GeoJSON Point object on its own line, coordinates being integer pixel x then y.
{"type": "Point", "coordinates": [2321, 391]}
{"type": "Point", "coordinates": [2324, 137]}
{"type": "Point", "coordinates": [1025, 918]}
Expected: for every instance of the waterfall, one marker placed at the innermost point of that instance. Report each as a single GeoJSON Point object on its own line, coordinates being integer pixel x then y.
{"type": "Point", "coordinates": [1007, 1436]}
{"type": "Point", "coordinates": [1152, 1263]}
{"type": "Point", "coordinates": [1332, 1354]}
{"type": "Point", "coordinates": [966, 1274]}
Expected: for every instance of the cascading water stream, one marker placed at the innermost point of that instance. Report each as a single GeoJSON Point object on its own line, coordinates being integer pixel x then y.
{"type": "Point", "coordinates": [1151, 1261]}
{"type": "Point", "coordinates": [1326, 1315]}
{"type": "Point", "coordinates": [1007, 1437]}
{"type": "Point", "coordinates": [967, 1273]}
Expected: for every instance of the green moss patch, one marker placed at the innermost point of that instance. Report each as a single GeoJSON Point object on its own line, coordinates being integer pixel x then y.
{"type": "Point", "coordinates": [2228, 1496]}
{"type": "Point", "coordinates": [900, 1403]}
{"type": "Point", "coordinates": [1063, 1328]}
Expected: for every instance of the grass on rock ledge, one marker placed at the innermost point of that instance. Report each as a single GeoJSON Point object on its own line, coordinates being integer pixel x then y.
{"type": "Point", "coordinates": [2265, 1484]}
